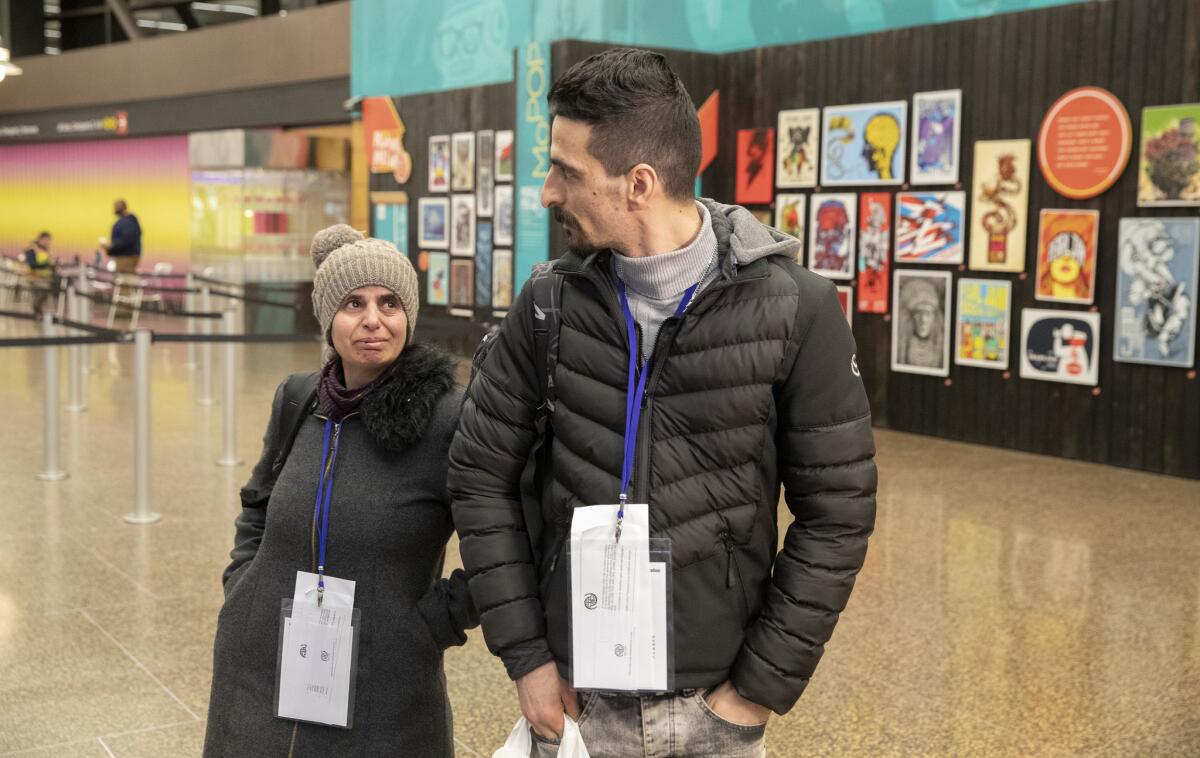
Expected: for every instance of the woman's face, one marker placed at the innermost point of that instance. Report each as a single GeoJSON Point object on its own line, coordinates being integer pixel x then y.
{"type": "Point", "coordinates": [369, 332]}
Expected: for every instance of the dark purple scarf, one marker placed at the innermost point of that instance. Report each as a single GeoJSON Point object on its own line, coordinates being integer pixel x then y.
{"type": "Point", "coordinates": [334, 401]}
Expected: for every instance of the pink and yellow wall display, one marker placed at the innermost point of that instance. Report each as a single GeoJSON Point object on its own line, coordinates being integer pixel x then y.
{"type": "Point", "coordinates": [68, 189]}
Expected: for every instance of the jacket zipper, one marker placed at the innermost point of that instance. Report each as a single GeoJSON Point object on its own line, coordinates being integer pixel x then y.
{"type": "Point", "coordinates": [604, 284]}
{"type": "Point", "coordinates": [733, 573]}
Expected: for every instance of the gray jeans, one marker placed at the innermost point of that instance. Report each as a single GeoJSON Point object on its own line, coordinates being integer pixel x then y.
{"type": "Point", "coordinates": [657, 726]}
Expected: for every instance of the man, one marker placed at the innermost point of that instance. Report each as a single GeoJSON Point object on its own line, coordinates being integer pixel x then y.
{"type": "Point", "coordinates": [750, 384]}
{"type": "Point", "coordinates": [37, 258]}
{"type": "Point", "coordinates": [125, 250]}
{"type": "Point", "coordinates": [126, 246]}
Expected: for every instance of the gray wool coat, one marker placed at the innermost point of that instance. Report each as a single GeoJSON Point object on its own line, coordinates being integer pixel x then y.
{"type": "Point", "coordinates": [388, 527]}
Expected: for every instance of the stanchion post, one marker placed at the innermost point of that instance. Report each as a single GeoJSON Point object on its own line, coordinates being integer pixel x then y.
{"type": "Point", "coordinates": [83, 315]}
{"type": "Point", "coordinates": [189, 305]}
{"type": "Point", "coordinates": [75, 402]}
{"type": "Point", "coordinates": [141, 431]}
{"type": "Point", "coordinates": [206, 351]}
{"type": "Point", "coordinates": [229, 449]}
{"type": "Point", "coordinates": [50, 470]}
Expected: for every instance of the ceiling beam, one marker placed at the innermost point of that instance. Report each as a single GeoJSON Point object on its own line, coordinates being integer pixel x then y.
{"type": "Point", "coordinates": [125, 18]}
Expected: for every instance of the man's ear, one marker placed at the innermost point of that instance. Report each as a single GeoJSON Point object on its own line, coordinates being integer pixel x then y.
{"type": "Point", "coordinates": [643, 186]}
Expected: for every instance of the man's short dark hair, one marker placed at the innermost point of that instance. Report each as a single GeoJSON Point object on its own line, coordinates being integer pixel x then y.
{"type": "Point", "coordinates": [639, 112]}
{"type": "Point", "coordinates": [44, 234]}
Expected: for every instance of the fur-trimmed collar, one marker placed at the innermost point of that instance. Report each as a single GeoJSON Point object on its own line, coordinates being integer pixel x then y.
{"type": "Point", "coordinates": [397, 413]}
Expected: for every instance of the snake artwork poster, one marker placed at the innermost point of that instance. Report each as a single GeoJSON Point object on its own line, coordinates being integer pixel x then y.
{"type": "Point", "coordinates": [1000, 205]}
{"type": "Point", "coordinates": [1157, 267]}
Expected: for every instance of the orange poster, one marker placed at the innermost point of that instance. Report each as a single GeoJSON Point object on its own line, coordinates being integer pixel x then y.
{"type": "Point", "coordinates": [1066, 263]}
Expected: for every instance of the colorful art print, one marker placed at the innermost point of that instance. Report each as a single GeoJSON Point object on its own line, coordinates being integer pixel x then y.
{"type": "Point", "coordinates": [462, 225]}
{"type": "Point", "coordinates": [462, 282]}
{"type": "Point", "coordinates": [502, 279]}
{"type": "Point", "coordinates": [485, 181]}
{"type": "Point", "coordinates": [1060, 346]}
{"type": "Point", "coordinates": [504, 156]}
{"type": "Point", "coordinates": [874, 251]}
{"type": "Point", "coordinates": [1066, 262]}
{"type": "Point", "coordinates": [982, 330]}
{"type": "Point", "coordinates": [831, 230]}
{"type": "Point", "coordinates": [845, 296]}
{"type": "Point", "coordinates": [790, 214]}
{"type": "Point", "coordinates": [437, 280]}
{"type": "Point", "coordinates": [462, 175]}
{"type": "Point", "coordinates": [937, 129]}
{"type": "Point", "coordinates": [755, 164]}
{"type": "Point", "coordinates": [504, 214]}
{"type": "Point", "coordinates": [921, 322]}
{"type": "Point", "coordinates": [929, 227]}
{"type": "Point", "coordinates": [1158, 260]}
{"type": "Point", "coordinates": [439, 163]}
{"type": "Point", "coordinates": [1169, 171]}
{"type": "Point", "coordinates": [797, 133]}
{"type": "Point", "coordinates": [1000, 205]}
{"type": "Point", "coordinates": [864, 144]}
{"type": "Point", "coordinates": [432, 224]}
{"type": "Point", "coordinates": [483, 263]}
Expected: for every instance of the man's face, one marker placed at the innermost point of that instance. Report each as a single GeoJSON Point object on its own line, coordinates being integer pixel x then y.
{"type": "Point", "coordinates": [922, 317]}
{"type": "Point", "coordinates": [588, 202]}
{"type": "Point", "coordinates": [119, 207]}
{"type": "Point", "coordinates": [44, 241]}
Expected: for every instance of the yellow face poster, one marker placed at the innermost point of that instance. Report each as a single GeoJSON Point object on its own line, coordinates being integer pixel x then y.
{"type": "Point", "coordinates": [1066, 260]}
{"type": "Point", "coordinates": [1000, 205]}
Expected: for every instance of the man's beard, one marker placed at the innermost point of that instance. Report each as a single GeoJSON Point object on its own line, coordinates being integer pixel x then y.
{"type": "Point", "coordinates": [576, 242]}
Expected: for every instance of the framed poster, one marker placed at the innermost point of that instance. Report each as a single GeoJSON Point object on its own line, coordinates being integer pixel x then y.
{"type": "Point", "coordinates": [483, 263]}
{"type": "Point", "coordinates": [1156, 291]}
{"type": "Point", "coordinates": [845, 295]}
{"type": "Point", "coordinates": [390, 222]}
{"type": "Point", "coordinates": [864, 144]}
{"type": "Point", "coordinates": [755, 164]}
{"type": "Point", "coordinates": [1000, 205]}
{"type": "Point", "coordinates": [1066, 261]}
{"type": "Point", "coordinates": [929, 227]}
{"type": "Point", "coordinates": [789, 217]}
{"type": "Point", "coordinates": [937, 129]}
{"type": "Point", "coordinates": [437, 281]}
{"type": "Point", "coordinates": [1169, 169]}
{"type": "Point", "coordinates": [502, 279]}
{"type": "Point", "coordinates": [485, 181]}
{"type": "Point", "coordinates": [796, 151]}
{"type": "Point", "coordinates": [874, 251]}
{"type": "Point", "coordinates": [503, 215]}
{"type": "Point", "coordinates": [462, 225]}
{"type": "Point", "coordinates": [921, 322]}
{"type": "Point", "coordinates": [504, 156]}
{"type": "Point", "coordinates": [431, 222]}
{"type": "Point", "coordinates": [439, 163]}
{"type": "Point", "coordinates": [831, 229]}
{"type": "Point", "coordinates": [982, 328]}
{"type": "Point", "coordinates": [462, 174]}
{"type": "Point", "coordinates": [462, 282]}
{"type": "Point", "coordinates": [1060, 346]}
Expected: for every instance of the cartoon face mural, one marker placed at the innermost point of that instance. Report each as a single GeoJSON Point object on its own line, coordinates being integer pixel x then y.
{"type": "Point", "coordinates": [881, 139]}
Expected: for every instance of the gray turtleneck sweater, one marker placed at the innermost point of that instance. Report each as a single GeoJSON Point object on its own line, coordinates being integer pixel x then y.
{"type": "Point", "coordinates": [656, 283]}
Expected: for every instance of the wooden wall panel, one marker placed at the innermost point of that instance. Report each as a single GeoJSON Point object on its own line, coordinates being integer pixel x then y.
{"type": "Point", "coordinates": [1011, 68]}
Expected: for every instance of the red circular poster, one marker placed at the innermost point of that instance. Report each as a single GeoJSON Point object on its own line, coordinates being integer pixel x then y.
{"type": "Point", "coordinates": [1084, 143]}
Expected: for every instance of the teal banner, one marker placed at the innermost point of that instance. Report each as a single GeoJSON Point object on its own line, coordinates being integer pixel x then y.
{"type": "Point", "coordinates": [533, 159]}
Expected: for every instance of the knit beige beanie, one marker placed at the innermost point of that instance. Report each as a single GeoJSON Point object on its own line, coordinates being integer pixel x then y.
{"type": "Point", "coordinates": [346, 260]}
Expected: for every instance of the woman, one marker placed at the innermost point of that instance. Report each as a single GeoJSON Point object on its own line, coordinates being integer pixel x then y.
{"type": "Point", "coordinates": [371, 431]}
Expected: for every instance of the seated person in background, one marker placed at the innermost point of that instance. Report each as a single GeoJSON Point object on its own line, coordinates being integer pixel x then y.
{"type": "Point", "coordinates": [37, 257]}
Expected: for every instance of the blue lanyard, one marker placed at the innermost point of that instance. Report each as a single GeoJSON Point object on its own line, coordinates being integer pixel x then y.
{"type": "Point", "coordinates": [321, 511]}
{"type": "Point", "coordinates": [635, 393]}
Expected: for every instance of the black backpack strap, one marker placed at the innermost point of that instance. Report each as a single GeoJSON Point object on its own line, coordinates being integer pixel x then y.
{"type": "Point", "coordinates": [535, 479]}
{"type": "Point", "coordinates": [299, 394]}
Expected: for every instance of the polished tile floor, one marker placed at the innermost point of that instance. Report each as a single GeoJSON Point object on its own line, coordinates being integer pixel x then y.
{"type": "Point", "coordinates": [1011, 605]}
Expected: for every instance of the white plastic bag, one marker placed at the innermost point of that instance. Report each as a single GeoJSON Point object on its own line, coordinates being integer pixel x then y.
{"type": "Point", "coordinates": [520, 741]}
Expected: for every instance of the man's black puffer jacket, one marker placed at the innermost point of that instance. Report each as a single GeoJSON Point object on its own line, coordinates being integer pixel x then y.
{"type": "Point", "coordinates": [755, 386]}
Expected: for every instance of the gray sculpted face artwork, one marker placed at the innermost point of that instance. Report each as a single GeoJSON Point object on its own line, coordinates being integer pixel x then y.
{"type": "Point", "coordinates": [921, 333]}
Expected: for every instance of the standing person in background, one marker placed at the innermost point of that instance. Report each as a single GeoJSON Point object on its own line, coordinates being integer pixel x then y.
{"type": "Point", "coordinates": [125, 248]}
{"type": "Point", "coordinates": [37, 257]}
